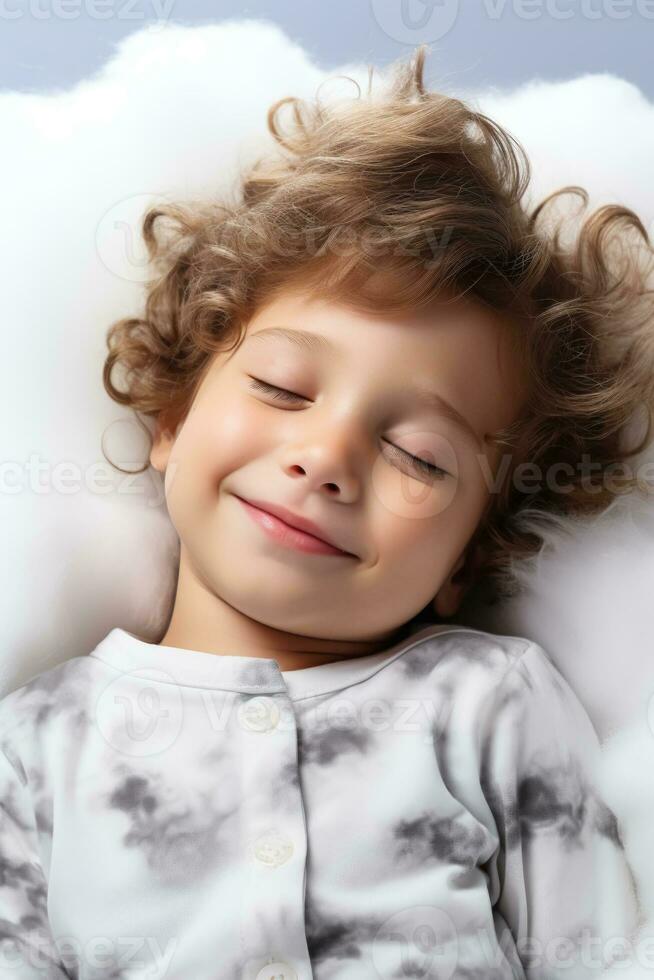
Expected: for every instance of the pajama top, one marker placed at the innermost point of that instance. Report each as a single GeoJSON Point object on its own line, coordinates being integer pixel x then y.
{"type": "Point", "coordinates": [429, 811]}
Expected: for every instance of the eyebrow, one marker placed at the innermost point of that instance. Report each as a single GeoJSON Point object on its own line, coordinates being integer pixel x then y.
{"type": "Point", "coordinates": [316, 342]}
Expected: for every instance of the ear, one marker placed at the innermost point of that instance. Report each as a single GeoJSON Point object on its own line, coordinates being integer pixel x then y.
{"type": "Point", "coordinates": [463, 574]}
{"type": "Point", "coordinates": [162, 442]}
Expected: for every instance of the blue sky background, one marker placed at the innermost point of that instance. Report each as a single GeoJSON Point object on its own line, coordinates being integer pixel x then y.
{"type": "Point", "coordinates": [47, 44]}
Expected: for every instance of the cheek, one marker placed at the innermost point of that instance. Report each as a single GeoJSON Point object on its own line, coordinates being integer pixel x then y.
{"type": "Point", "coordinates": [424, 525]}
{"type": "Point", "coordinates": [416, 541]}
{"type": "Point", "coordinates": [227, 435]}
{"type": "Point", "coordinates": [233, 440]}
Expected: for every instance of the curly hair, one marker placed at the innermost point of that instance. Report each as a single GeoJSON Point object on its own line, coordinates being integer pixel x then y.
{"type": "Point", "coordinates": [427, 193]}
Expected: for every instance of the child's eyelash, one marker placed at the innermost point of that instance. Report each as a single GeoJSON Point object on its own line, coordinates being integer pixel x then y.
{"type": "Point", "coordinates": [282, 394]}
{"type": "Point", "coordinates": [428, 468]}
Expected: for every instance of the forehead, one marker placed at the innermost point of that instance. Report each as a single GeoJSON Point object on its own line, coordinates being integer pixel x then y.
{"type": "Point", "coordinates": [467, 353]}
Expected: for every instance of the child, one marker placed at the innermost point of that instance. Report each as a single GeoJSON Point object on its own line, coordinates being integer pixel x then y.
{"type": "Point", "coordinates": [315, 772]}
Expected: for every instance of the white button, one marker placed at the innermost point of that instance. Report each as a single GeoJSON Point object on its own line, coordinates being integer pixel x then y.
{"type": "Point", "coordinates": [277, 971]}
{"type": "Point", "coordinates": [259, 714]}
{"type": "Point", "coordinates": [272, 849]}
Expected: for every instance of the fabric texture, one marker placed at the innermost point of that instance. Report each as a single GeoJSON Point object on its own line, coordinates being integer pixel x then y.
{"type": "Point", "coordinates": [428, 811]}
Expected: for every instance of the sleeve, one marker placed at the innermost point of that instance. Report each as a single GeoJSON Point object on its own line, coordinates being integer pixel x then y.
{"type": "Point", "coordinates": [27, 949]}
{"type": "Point", "coordinates": [559, 880]}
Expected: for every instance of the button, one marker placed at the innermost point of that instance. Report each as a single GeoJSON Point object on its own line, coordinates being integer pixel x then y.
{"type": "Point", "coordinates": [259, 714]}
{"type": "Point", "coordinates": [272, 849]}
{"type": "Point", "coordinates": [276, 971]}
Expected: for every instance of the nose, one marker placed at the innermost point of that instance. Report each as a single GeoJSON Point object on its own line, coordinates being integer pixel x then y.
{"type": "Point", "coordinates": [327, 462]}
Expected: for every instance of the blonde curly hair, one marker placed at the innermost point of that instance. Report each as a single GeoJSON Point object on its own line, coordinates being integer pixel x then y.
{"type": "Point", "coordinates": [428, 193]}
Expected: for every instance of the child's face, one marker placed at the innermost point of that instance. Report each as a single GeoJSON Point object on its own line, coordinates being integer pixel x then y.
{"type": "Point", "coordinates": [329, 457]}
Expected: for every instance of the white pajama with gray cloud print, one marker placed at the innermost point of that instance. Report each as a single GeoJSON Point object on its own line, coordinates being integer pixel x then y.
{"type": "Point", "coordinates": [428, 811]}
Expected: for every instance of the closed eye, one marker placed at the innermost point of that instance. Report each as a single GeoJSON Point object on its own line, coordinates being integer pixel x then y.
{"type": "Point", "coordinates": [282, 394]}
{"type": "Point", "coordinates": [429, 469]}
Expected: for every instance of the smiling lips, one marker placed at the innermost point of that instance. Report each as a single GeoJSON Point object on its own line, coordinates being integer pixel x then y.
{"type": "Point", "coordinates": [291, 530]}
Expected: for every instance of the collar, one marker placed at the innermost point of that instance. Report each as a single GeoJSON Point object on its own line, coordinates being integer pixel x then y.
{"type": "Point", "coordinates": [127, 652]}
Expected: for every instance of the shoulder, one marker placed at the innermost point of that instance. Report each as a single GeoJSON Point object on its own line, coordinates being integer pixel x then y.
{"type": "Point", "coordinates": [467, 652]}
{"type": "Point", "coordinates": [535, 722]}
{"type": "Point", "coordinates": [59, 694]}
{"type": "Point", "coordinates": [491, 674]}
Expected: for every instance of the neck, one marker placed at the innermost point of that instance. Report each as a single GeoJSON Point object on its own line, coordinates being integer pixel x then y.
{"type": "Point", "coordinates": [202, 620]}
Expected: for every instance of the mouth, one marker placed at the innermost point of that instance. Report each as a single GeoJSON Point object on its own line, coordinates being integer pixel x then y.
{"type": "Point", "coordinates": [287, 534]}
